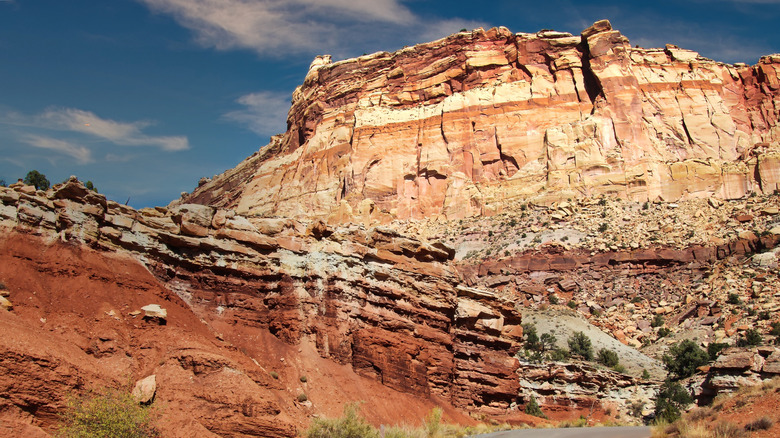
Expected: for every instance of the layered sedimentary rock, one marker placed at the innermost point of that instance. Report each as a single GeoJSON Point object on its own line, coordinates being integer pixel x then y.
{"type": "Point", "coordinates": [388, 306]}
{"type": "Point", "coordinates": [463, 125]}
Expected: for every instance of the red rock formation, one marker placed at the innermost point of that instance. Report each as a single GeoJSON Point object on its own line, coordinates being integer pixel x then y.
{"type": "Point", "coordinates": [465, 124]}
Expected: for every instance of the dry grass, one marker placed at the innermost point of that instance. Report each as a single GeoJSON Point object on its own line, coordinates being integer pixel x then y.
{"type": "Point", "coordinates": [763, 423]}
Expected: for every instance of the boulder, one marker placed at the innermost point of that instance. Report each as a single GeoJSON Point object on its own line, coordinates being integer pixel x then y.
{"type": "Point", "coordinates": [144, 389]}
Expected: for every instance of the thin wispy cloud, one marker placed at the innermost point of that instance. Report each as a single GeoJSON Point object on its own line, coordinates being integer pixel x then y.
{"type": "Point", "coordinates": [278, 27]}
{"type": "Point", "coordinates": [81, 154]}
{"type": "Point", "coordinates": [263, 113]}
{"type": "Point", "coordinates": [85, 122]}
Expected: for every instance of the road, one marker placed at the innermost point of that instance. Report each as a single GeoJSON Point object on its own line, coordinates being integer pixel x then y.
{"type": "Point", "coordinates": [575, 432]}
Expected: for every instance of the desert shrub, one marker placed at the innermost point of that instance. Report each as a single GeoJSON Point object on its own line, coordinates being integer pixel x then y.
{"type": "Point", "coordinates": [658, 321]}
{"type": "Point", "coordinates": [433, 422]}
{"type": "Point", "coordinates": [714, 349]}
{"type": "Point", "coordinates": [752, 338]}
{"type": "Point", "coordinates": [608, 358]}
{"type": "Point", "coordinates": [532, 408]}
{"type": "Point", "coordinates": [672, 397]}
{"type": "Point", "coordinates": [733, 299]}
{"type": "Point", "coordinates": [303, 379]}
{"type": "Point", "coordinates": [579, 344]}
{"type": "Point", "coordinates": [664, 332]}
{"type": "Point", "coordinates": [553, 299]}
{"type": "Point", "coordinates": [37, 179]}
{"type": "Point", "coordinates": [763, 423]}
{"type": "Point", "coordinates": [683, 358]}
{"type": "Point", "coordinates": [724, 429]}
{"type": "Point", "coordinates": [619, 368]}
{"type": "Point", "coordinates": [645, 374]}
{"type": "Point", "coordinates": [603, 227]}
{"type": "Point", "coordinates": [572, 304]}
{"type": "Point", "coordinates": [559, 354]}
{"type": "Point", "coordinates": [775, 331]}
{"type": "Point", "coordinates": [302, 397]}
{"type": "Point", "coordinates": [107, 414]}
{"type": "Point", "coordinates": [350, 425]}
{"type": "Point", "coordinates": [274, 374]}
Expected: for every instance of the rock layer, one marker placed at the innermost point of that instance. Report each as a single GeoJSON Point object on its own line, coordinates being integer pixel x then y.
{"type": "Point", "coordinates": [463, 125]}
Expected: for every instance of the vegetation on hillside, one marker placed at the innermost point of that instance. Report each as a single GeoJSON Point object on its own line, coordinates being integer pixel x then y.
{"type": "Point", "coordinates": [108, 413]}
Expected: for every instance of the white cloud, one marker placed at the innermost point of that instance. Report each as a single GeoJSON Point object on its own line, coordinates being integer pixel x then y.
{"type": "Point", "coordinates": [264, 112]}
{"type": "Point", "coordinates": [82, 154]}
{"type": "Point", "coordinates": [86, 122]}
{"type": "Point", "coordinates": [274, 27]}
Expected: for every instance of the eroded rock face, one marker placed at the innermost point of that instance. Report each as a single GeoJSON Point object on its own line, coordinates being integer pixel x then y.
{"type": "Point", "coordinates": [387, 305]}
{"type": "Point", "coordinates": [461, 126]}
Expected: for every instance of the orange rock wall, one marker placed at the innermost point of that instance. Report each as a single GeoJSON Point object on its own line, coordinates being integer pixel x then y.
{"type": "Point", "coordinates": [463, 125]}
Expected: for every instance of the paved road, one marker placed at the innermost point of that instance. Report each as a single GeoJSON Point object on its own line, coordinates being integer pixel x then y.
{"type": "Point", "coordinates": [575, 432]}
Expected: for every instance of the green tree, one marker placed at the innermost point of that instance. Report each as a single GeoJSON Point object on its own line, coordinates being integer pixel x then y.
{"type": "Point", "coordinates": [2, 183]}
{"type": "Point", "coordinates": [608, 358]}
{"type": "Point", "coordinates": [714, 349]}
{"type": "Point", "coordinates": [683, 358]}
{"type": "Point", "coordinates": [90, 186]}
{"type": "Point", "coordinates": [672, 398]}
{"type": "Point", "coordinates": [580, 344]}
{"type": "Point", "coordinates": [531, 337]}
{"type": "Point", "coordinates": [37, 179]}
{"type": "Point", "coordinates": [532, 408]}
{"type": "Point", "coordinates": [107, 414]}
{"type": "Point", "coordinates": [547, 341]}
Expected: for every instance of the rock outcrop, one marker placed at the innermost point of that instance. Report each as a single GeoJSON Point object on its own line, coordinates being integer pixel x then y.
{"type": "Point", "coordinates": [465, 125]}
{"type": "Point", "coordinates": [388, 306]}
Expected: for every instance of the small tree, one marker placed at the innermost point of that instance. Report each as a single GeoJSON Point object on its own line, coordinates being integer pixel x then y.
{"type": "Point", "coordinates": [37, 179]}
{"type": "Point", "coordinates": [672, 398]}
{"type": "Point", "coordinates": [532, 408]}
{"type": "Point", "coordinates": [714, 349]}
{"type": "Point", "coordinates": [2, 183]}
{"type": "Point", "coordinates": [90, 186]}
{"type": "Point", "coordinates": [350, 425]}
{"type": "Point", "coordinates": [608, 358]}
{"type": "Point", "coordinates": [547, 341]}
{"type": "Point", "coordinates": [580, 344]}
{"type": "Point", "coordinates": [683, 358]}
{"type": "Point", "coordinates": [531, 337]}
{"type": "Point", "coordinates": [657, 321]}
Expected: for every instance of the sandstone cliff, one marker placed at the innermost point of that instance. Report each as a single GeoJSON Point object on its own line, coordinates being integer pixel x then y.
{"type": "Point", "coordinates": [473, 122]}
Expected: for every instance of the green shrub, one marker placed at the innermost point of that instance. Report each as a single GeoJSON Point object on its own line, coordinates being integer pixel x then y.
{"type": "Point", "coordinates": [683, 358]}
{"type": "Point", "coordinates": [608, 358]}
{"type": "Point", "coordinates": [672, 397]}
{"type": "Point", "coordinates": [274, 374]}
{"type": "Point", "coordinates": [107, 414]}
{"type": "Point", "coordinates": [433, 422]}
{"type": "Point", "coordinates": [532, 408]}
{"type": "Point", "coordinates": [733, 299]}
{"type": "Point", "coordinates": [714, 349]}
{"type": "Point", "coordinates": [619, 369]}
{"type": "Point", "coordinates": [37, 179]}
{"type": "Point", "coordinates": [664, 332]}
{"type": "Point", "coordinates": [775, 331]}
{"type": "Point", "coordinates": [304, 379]}
{"type": "Point", "coordinates": [572, 304]}
{"type": "Point", "coordinates": [531, 337]}
{"type": "Point", "coordinates": [645, 374]}
{"type": "Point", "coordinates": [657, 321]}
{"type": "Point", "coordinates": [350, 425]}
{"type": "Point", "coordinates": [559, 354]}
{"type": "Point", "coordinates": [553, 299]}
{"type": "Point", "coordinates": [603, 227]}
{"type": "Point", "coordinates": [752, 338]}
{"type": "Point", "coordinates": [580, 344]}
{"type": "Point", "coordinates": [302, 397]}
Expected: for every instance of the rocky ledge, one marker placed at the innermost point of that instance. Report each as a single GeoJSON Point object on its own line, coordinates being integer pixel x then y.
{"type": "Point", "coordinates": [461, 126]}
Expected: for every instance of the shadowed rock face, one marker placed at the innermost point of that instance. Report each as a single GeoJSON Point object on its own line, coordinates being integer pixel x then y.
{"type": "Point", "coordinates": [461, 126]}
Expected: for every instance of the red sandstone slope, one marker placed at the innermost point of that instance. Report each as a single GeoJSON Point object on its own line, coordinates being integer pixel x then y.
{"type": "Point", "coordinates": [71, 330]}
{"type": "Point", "coordinates": [471, 123]}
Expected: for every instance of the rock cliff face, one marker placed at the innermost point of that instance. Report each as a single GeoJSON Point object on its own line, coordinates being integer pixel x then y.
{"type": "Point", "coordinates": [388, 306]}
{"type": "Point", "coordinates": [465, 125]}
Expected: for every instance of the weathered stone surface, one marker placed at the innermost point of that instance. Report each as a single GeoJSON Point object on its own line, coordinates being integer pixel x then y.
{"type": "Point", "coordinates": [144, 389]}
{"type": "Point", "coordinates": [461, 126]}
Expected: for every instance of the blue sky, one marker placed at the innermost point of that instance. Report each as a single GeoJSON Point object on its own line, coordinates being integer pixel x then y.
{"type": "Point", "coordinates": [144, 97]}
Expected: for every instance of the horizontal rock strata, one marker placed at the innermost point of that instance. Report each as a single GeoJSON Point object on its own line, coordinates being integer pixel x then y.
{"type": "Point", "coordinates": [463, 125]}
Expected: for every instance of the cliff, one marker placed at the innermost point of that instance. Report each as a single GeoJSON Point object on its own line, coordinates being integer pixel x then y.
{"type": "Point", "coordinates": [477, 121]}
